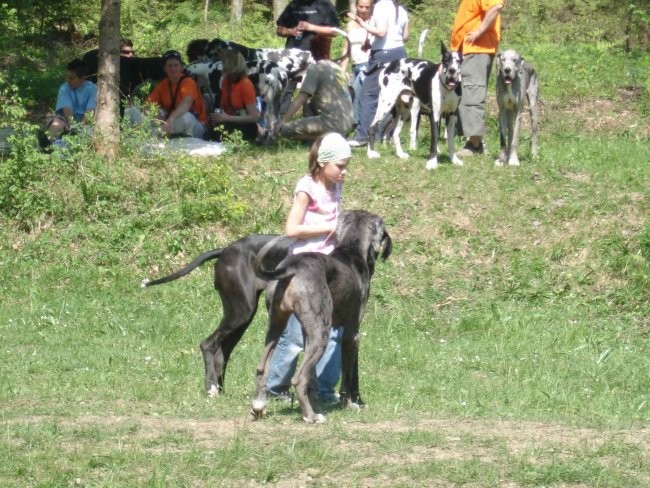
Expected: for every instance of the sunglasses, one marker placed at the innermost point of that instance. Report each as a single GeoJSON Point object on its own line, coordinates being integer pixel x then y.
{"type": "Point", "coordinates": [171, 55]}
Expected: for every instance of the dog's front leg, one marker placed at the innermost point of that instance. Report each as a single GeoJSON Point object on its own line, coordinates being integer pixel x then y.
{"type": "Point", "coordinates": [503, 136]}
{"type": "Point", "coordinates": [434, 122]}
{"type": "Point", "coordinates": [513, 130]}
{"type": "Point", "coordinates": [450, 124]}
{"type": "Point", "coordinates": [349, 392]}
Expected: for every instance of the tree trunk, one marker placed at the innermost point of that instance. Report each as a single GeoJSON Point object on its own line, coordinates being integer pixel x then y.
{"type": "Point", "coordinates": [107, 127]}
{"type": "Point", "coordinates": [206, 7]}
{"type": "Point", "coordinates": [278, 7]}
{"type": "Point", "coordinates": [236, 10]}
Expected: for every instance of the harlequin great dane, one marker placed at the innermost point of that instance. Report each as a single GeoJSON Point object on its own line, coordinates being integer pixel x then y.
{"type": "Point", "coordinates": [239, 289]}
{"type": "Point", "coordinates": [517, 83]}
{"type": "Point", "coordinates": [323, 291]}
{"type": "Point", "coordinates": [294, 61]}
{"type": "Point", "coordinates": [411, 85]}
{"type": "Point", "coordinates": [269, 79]}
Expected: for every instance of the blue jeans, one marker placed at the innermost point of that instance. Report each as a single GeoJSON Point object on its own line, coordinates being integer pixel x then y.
{"type": "Point", "coordinates": [358, 75]}
{"type": "Point", "coordinates": [285, 359]}
{"type": "Point", "coordinates": [369, 96]}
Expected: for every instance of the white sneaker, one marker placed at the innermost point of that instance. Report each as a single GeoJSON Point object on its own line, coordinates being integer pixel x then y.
{"type": "Point", "coordinates": [356, 143]}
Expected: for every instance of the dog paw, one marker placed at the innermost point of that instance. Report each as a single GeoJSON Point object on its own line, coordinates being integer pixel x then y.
{"type": "Point", "coordinates": [144, 283]}
{"type": "Point", "coordinates": [373, 154]}
{"type": "Point", "coordinates": [259, 406]}
{"type": "Point", "coordinates": [354, 406]}
{"type": "Point", "coordinates": [317, 418]}
{"type": "Point", "coordinates": [513, 161]}
{"type": "Point", "coordinates": [402, 155]}
{"type": "Point", "coordinates": [213, 392]}
{"type": "Point", "coordinates": [498, 162]}
{"type": "Point", "coordinates": [456, 161]}
{"type": "Point", "coordinates": [253, 415]}
{"type": "Point", "coordinates": [432, 164]}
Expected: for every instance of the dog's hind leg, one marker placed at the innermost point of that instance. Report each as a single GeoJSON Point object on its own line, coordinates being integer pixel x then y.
{"type": "Point", "coordinates": [277, 323]}
{"type": "Point", "coordinates": [450, 124]}
{"type": "Point", "coordinates": [402, 107]}
{"type": "Point", "coordinates": [316, 332]}
{"type": "Point", "coordinates": [533, 97]}
{"type": "Point", "coordinates": [239, 307]}
{"type": "Point", "coordinates": [415, 122]}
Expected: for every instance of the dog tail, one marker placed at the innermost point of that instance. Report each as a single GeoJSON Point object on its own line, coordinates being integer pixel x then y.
{"type": "Point", "coordinates": [346, 54]}
{"type": "Point", "coordinates": [188, 268]}
{"type": "Point", "coordinates": [275, 274]}
{"type": "Point", "coordinates": [423, 36]}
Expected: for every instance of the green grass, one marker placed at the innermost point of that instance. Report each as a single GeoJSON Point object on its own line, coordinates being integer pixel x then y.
{"type": "Point", "coordinates": [505, 342]}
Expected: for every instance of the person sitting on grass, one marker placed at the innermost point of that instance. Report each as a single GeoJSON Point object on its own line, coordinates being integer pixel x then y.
{"type": "Point", "coordinates": [181, 109]}
{"type": "Point", "coordinates": [238, 104]}
{"type": "Point", "coordinates": [324, 88]}
{"type": "Point", "coordinates": [77, 99]}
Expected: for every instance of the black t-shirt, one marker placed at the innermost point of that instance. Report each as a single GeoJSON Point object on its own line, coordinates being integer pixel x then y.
{"type": "Point", "coordinates": [318, 12]}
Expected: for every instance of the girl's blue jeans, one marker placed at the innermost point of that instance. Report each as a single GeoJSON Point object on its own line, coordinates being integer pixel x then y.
{"type": "Point", "coordinates": [285, 359]}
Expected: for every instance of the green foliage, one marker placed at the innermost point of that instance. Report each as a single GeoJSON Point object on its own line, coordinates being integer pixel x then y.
{"type": "Point", "coordinates": [22, 172]}
{"type": "Point", "coordinates": [206, 193]}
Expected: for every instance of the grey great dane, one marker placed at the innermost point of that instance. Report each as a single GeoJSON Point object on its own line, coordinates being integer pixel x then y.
{"type": "Point", "coordinates": [517, 84]}
{"type": "Point", "coordinates": [239, 288]}
{"type": "Point", "coordinates": [323, 291]}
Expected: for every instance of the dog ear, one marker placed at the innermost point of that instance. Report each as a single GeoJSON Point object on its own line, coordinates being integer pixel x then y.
{"type": "Point", "coordinates": [443, 49]}
{"type": "Point", "coordinates": [388, 246]}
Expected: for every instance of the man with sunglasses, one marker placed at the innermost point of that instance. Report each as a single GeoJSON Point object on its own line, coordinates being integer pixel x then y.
{"type": "Point", "coordinates": [126, 48]}
{"type": "Point", "coordinates": [182, 109]}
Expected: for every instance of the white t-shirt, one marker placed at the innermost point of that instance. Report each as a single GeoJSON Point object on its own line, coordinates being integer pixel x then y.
{"type": "Point", "coordinates": [384, 12]}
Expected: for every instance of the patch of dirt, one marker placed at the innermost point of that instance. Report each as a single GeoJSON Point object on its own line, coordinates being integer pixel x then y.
{"type": "Point", "coordinates": [430, 440]}
{"type": "Point", "coordinates": [518, 436]}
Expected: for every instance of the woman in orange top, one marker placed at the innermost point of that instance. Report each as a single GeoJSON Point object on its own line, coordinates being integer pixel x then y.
{"type": "Point", "coordinates": [238, 101]}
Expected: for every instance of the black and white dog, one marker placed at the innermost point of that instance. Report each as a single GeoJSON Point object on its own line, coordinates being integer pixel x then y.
{"type": "Point", "coordinates": [294, 61]}
{"type": "Point", "coordinates": [269, 79]}
{"type": "Point", "coordinates": [412, 85]}
{"type": "Point", "coordinates": [517, 83]}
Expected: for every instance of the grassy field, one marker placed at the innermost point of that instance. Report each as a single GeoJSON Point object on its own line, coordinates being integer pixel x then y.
{"type": "Point", "coordinates": [505, 341]}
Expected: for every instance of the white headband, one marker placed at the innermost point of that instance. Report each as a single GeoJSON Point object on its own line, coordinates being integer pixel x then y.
{"type": "Point", "coordinates": [333, 147]}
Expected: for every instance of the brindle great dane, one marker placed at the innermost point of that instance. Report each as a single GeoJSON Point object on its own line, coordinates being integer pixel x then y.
{"type": "Point", "coordinates": [323, 291]}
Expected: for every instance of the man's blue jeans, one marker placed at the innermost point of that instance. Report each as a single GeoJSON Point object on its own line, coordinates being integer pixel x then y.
{"type": "Point", "coordinates": [285, 359]}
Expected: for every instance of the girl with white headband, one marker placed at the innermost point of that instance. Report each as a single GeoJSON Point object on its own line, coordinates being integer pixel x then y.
{"type": "Point", "coordinates": [312, 221]}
